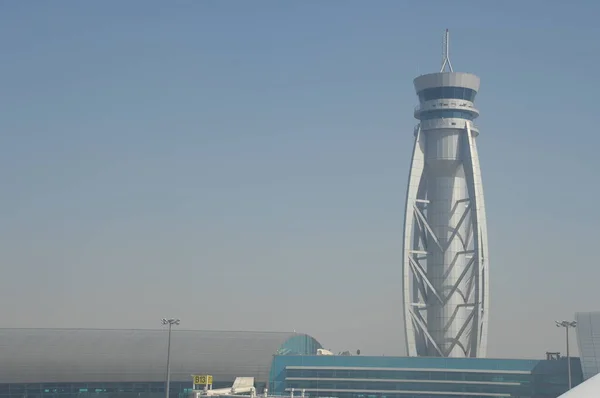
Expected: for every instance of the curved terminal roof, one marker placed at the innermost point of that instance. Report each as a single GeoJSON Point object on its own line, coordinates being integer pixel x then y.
{"type": "Point", "coordinates": [102, 355]}
{"type": "Point", "coordinates": [447, 79]}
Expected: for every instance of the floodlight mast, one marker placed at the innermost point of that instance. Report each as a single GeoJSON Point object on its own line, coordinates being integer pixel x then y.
{"type": "Point", "coordinates": [567, 325]}
{"type": "Point", "coordinates": [170, 322]}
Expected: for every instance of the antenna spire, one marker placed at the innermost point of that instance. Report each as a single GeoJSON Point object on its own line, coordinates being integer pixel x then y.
{"type": "Point", "coordinates": [446, 53]}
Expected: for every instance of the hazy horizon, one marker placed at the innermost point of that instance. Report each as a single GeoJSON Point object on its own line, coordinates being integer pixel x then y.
{"type": "Point", "coordinates": [243, 165]}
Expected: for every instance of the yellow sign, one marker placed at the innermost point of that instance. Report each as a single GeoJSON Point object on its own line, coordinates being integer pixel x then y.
{"type": "Point", "coordinates": [203, 379]}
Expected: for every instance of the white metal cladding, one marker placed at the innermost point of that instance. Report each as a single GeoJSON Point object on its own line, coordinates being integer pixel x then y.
{"type": "Point", "coordinates": [445, 258]}
{"type": "Point", "coordinates": [97, 355]}
{"type": "Point", "coordinates": [588, 340]}
{"type": "Point", "coordinates": [447, 79]}
{"type": "Point", "coordinates": [588, 389]}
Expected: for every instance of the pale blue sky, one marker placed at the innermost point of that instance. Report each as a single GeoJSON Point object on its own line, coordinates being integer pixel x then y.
{"type": "Point", "coordinates": [242, 165]}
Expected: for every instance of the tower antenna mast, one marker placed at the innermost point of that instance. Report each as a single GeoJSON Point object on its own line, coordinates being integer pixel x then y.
{"type": "Point", "coordinates": [446, 53]}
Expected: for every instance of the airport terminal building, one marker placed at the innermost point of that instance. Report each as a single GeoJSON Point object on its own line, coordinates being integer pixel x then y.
{"type": "Point", "coordinates": [86, 363]}
{"type": "Point", "coordinates": [419, 377]}
{"type": "Point", "coordinates": [69, 363]}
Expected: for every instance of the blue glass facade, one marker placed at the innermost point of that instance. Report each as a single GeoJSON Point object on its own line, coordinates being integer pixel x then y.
{"type": "Point", "coordinates": [404, 377]}
{"type": "Point", "coordinates": [447, 92]}
{"type": "Point", "coordinates": [97, 390]}
{"type": "Point", "coordinates": [300, 344]}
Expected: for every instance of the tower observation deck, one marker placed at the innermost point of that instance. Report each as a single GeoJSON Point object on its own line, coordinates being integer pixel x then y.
{"type": "Point", "coordinates": [445, 254]}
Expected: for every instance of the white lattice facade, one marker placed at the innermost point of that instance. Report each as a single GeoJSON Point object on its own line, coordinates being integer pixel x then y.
{"type": "Point", "coordinates": [445, 255]}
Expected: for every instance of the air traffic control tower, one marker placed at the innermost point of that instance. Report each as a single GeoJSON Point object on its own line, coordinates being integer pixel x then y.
{"type": "Point", "coordinates": [445, 254]}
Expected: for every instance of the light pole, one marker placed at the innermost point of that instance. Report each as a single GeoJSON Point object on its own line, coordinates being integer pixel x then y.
{"type": "Point", "coordinates": [567, 325]}
{"type": "Point", "coordinates": [169, 322]}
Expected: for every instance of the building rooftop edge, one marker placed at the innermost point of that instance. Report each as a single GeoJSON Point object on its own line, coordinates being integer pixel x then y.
{"type": "Point", "coordinates": [153, 330]}
{"type": "Point", "coordinates": [447, 79]}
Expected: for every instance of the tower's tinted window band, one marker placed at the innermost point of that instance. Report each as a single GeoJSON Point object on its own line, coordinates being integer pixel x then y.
{"type": "Point", "coordinates": [447, 92]}
{"type": "Point", "coordinates": [445, 113]}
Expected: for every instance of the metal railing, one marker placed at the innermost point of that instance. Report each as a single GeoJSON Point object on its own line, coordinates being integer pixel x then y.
{"type": "Point", "coordinates": [445, 105]}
